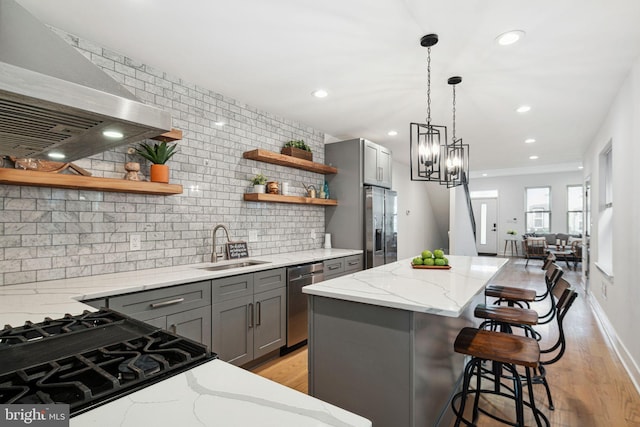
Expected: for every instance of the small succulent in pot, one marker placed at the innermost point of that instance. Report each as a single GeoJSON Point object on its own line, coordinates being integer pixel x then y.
{"type": "Point", "coordinates": [298, 144]}
{"type": "Point", "coordinates": [259, 179]}
{"type": "Point", "coordinates": [158, 153]}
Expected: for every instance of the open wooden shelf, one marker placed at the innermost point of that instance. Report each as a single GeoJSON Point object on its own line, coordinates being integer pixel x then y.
{"type": "Point", "coordinates": [79, 182]}
{"type": "Point", "coordinates": [294, 162]}
{"type": "Point", "coordinates": [172, 135]}
{"type": "Point", "coordinates": [277, 198]}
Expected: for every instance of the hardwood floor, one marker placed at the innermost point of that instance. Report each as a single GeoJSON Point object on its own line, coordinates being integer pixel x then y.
{"type": "Point", "coordinates": [589, 384]}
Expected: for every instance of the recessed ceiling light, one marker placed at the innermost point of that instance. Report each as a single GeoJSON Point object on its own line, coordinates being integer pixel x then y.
{"type": "Point", "coordinates": [580, 167]}
{"type": "Point", "coordinates": [510, 37]}
{"type": "Point", "coordinates": [219, 123]}
{"type": "Point", "coordinates": [484, 174]}
{"type": "Point", "coordinates": [320, 93]}
{"type": "Point", "coordinates": [56, 155]}
{"type": "Point", "coordinates": [112, 134]}
{"type": "Point", "coordinates": [529, 140]}
{"type": "Point", "coordinates": [533, 157]}
{"type": "Point", "coordinates": [392, 133]}
{"type": "Point", "coordinates": [523, 109]}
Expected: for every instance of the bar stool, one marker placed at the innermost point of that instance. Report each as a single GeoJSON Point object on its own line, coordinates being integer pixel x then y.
{"type": "Point", "coordinates": [520, 297]}
{"type": "Point", "coordinates": [508, 351]}
{"type": "Point", "coordinates": [507, 317]}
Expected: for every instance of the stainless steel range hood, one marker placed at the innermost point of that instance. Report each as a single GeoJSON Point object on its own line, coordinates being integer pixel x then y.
{"type": "Point", "coordinates": [54, 100]}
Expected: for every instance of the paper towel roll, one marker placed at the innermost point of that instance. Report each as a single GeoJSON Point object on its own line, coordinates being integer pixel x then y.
{"type": "Point", "coordinates": [327, 241]}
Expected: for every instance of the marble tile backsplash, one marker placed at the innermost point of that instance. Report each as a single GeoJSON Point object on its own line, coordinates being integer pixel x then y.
{"type": "Point", "coordinates": [50, 233]}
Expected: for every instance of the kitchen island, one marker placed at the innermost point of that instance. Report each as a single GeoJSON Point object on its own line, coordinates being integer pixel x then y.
{"type": "Point", "coordinates": [381, 340]}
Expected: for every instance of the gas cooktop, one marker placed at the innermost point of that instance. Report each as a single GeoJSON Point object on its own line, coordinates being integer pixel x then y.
{"type": "Point", "coordinates": [89, 359]}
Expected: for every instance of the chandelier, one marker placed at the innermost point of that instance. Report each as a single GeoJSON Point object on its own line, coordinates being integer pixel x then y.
{"type": "Point", "coordinates": [428, 141]}
{"type": "Point", "coordinates": [457, 154]}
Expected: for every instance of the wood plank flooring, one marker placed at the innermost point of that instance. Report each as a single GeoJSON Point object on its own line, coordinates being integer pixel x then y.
{"type": "Point", "coordinates": [589, 385]}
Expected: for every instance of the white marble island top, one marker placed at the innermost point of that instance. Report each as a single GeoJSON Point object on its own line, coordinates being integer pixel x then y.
{"type": "Point", "coordinates": [398, 285]}
{"type": "Point", "coordinates": [218, 394]}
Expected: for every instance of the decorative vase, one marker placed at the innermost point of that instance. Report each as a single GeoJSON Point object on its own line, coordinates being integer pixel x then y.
{"type": "Point", "coordinates": [159, 173]}
{"type": "Point", "coordinates": [273, 187]}
{"type": "Point", "coordinates": [132, 169]}
{"type": "Point", "coordinates": [259, 188]}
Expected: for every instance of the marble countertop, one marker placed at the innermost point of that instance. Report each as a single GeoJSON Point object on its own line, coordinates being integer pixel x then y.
{"type": "Point", "coordinates": [398, 285]}
{"type": "Point", "coordinates": [215, 393]}
{"type": "Point", "coordinates": [55, 298]}
{"type": "Point", "coordinates": [218, 394]}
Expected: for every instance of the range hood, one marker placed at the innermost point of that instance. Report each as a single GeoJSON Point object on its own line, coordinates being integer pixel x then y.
{"type": "Point", "coordinates": [54, 100]}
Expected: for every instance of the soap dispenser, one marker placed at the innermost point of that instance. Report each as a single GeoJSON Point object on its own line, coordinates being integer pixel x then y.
{"type": "Point", "coordinates": [326, 190]}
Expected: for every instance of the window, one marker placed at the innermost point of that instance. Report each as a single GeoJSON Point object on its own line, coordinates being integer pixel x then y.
{"type": "Point", "coordinates": [574, 209]}
{"type": "Point", "coordinates": [605, 218]}
{"type": "Point", "coordinates": [538, 209]}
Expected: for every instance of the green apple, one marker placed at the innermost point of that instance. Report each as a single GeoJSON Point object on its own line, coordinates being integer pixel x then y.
{"type": "Point", "coordinates": [438, 253]}
{"type": "Point", "coordinates": [439, 261]}
{"type": "Point", "coordinates": [428, 261]}
{"type": "Point", "coordinates": [446, 261]}
{"type": "Point", "coordinates": [426, 254]}
{"type": "Point", "coordinates": [417, 261]}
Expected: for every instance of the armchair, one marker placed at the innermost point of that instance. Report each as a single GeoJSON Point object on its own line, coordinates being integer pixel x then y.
{"type": "Point", "coordinates": [576, 253]}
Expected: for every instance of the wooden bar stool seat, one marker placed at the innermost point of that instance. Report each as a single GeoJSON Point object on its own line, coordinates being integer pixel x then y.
{"type": "Point", "coordinates": [499, 317]}
{"type": "Point", "coordinates": [506, 351]}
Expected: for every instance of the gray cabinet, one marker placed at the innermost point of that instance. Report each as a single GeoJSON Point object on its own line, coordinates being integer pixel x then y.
{"type": "Point", "coordinates": [248, 315]}
{"type": "Point", "coordinates": [337, 267]}
{"type": "Point", "coordinates": [377, 164]}
{"type": "Point", "coordinates": [183, 309]}
{"type": "Point", "coordinates": [353, 263]}
{"type": "Point", "coordinates": [333, 268]}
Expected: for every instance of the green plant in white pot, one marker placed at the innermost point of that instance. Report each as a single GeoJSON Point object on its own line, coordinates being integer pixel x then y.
{"type": "Point", "coordinates": [259, 183]}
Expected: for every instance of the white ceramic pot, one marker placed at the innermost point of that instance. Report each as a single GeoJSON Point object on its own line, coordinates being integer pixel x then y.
{"type": "Point", "coordinates": [259, 188]}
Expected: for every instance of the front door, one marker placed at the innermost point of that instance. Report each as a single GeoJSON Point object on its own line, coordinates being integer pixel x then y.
{"type": "Point", "coordinates": [485, 212]}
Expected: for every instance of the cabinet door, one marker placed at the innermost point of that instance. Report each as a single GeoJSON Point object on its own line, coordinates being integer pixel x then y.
{"type": "Point", "coordinates": [192, 324]}
{"type": "Point", "coordinates": [270, 332]}
{"type": "Point", "coordinates": [353, 263]}
{"type": "Point", "coordinates": [384, 165]}
{"type": "Point", "coordinates": [232, 332]}
{"type": "Point", "coordinates": [158, 322]}
{"type": "Point", "coordinates": [269, 279]}
{"type": "Point", "coordinates": [333, 268]}
{"type": "Point", "coordinates": [371, 171]}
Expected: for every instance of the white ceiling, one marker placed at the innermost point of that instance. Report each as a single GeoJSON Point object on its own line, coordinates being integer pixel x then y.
{"type": "Point", "coordinates": [272, 54]}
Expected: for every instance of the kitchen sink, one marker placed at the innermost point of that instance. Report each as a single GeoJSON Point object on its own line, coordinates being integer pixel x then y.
{"type": "Point", "coordinates": [232, 265]}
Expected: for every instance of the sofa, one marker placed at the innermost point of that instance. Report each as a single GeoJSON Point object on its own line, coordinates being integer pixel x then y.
{"type": "Point", "coordinates": [536, 246]}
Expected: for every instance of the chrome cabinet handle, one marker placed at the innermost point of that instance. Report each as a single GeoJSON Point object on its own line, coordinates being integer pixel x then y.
{"type": "Point", "coordinates": [166, 303]}
{"type": "Point", "coordinates": [354, 262]}
{"type": "Point", "coordinates": [250, 315]}
{"type": "Point", "coordinates": [259, 313]}
{"type": "Point", "coordinates": [333, 267]}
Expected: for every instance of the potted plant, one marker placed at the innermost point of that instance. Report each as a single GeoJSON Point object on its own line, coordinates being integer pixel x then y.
{"type": "Point", "coordinates": [297, 148]}
{"type": "Point", "coordinates": [259, 183]}
{"type": "Point", "coordinates": [158, 154]}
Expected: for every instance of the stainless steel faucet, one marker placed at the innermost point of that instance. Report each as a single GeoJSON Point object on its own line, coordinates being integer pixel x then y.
{"type": "Point", "coordinates": [214, 254]}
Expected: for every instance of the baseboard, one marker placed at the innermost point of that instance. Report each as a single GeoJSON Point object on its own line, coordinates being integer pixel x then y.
{"type": "Point", "coordinates": [623, 354]}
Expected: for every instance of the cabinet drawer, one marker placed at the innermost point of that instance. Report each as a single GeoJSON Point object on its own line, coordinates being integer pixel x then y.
{"type": "Point", "coordinates": [353, 263]}
{"type": "Point", "coordinates": [162, 302]}
{"type": "Point", "coordinates": [269, 279]}
{"type": "Point", "coordinates": [333, 268]}
{"type": "Point", "coordinates": [232, 287]}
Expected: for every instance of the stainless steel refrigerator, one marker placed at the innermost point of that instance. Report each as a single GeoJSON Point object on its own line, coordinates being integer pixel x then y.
{"type": "Point", "coordinates": [380, 222]}
{"type": "Point", "coordinates": [366, 215]}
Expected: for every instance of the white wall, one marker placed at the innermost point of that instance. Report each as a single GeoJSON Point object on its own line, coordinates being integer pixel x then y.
{"type": "Point", "coordinates": [461, 236]}
{"type": "Point", "coordinates": [618, 300]}
{"type": "Point", "coordinates": [511, 199]}
{"type": "Point", "coordinates": [417, 227]}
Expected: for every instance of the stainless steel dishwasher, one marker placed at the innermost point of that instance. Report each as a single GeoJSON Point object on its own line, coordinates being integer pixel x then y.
{"type": "Point", "coordinates": [297, 277]}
